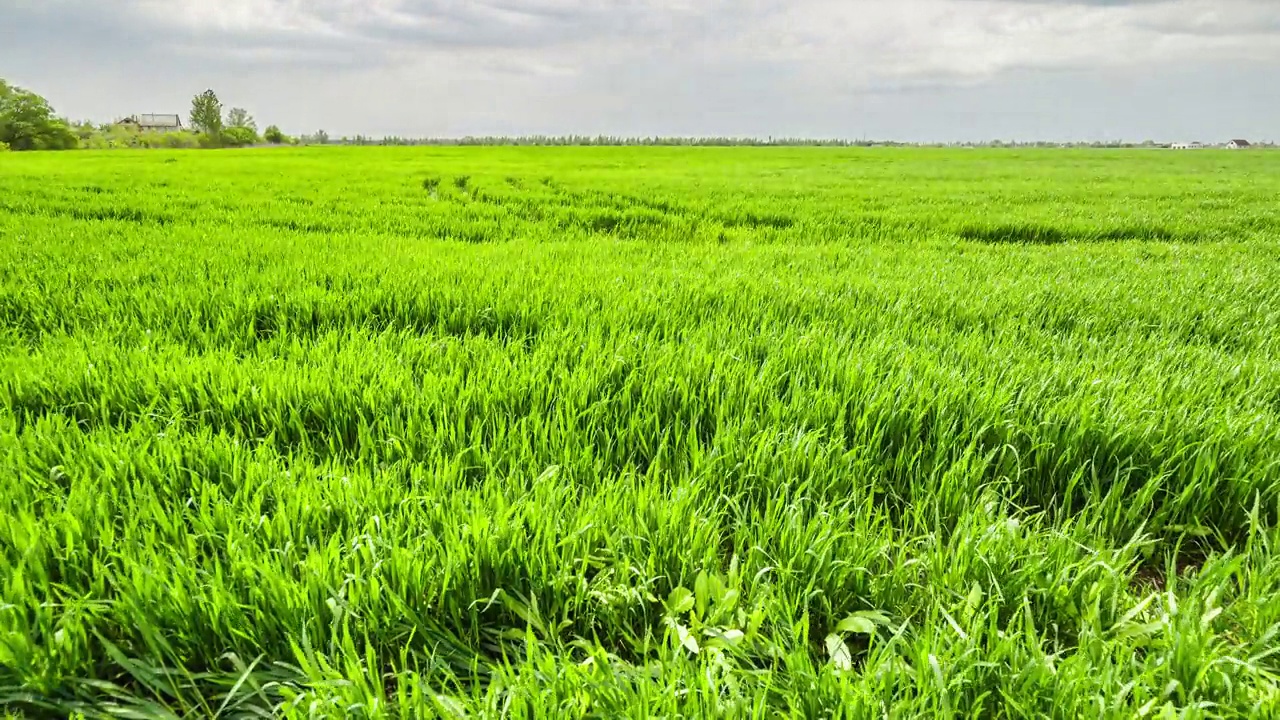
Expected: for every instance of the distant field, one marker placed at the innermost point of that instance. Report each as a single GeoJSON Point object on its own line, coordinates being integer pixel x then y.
{"type": "Point", "coordinates": [534, 433]}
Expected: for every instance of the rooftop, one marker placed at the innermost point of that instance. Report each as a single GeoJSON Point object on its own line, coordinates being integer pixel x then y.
{"type": "Point", "coordinates": [152, 120]}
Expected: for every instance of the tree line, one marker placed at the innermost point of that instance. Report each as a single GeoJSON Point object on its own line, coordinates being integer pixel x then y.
{"type": "Point", "coordinates": [28, 122]}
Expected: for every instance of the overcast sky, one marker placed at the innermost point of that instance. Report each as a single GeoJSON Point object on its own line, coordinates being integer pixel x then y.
{"type": "Point", "coordinates": [887, 69]}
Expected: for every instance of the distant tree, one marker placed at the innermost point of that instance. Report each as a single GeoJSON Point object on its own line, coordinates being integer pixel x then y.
{"type": "Point", "coordinates": [241, 129]}
{"type": "Point", "coordinates": [240, 118]}
{"type": "Point", "coordinates": [322, 137]}
{"type": "Point", "coordinates": [27, 122]}
{"type": "Point", "coordinates": [206, 113]}
{"type": "Point", "coordinates": [273, 135]}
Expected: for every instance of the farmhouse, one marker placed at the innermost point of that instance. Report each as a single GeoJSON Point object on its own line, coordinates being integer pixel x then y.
{"type": "Point", "coordinates": [154, 123]}
{"type": "Point", "coordinates": [1238, 145]}
{"type": "Point", "coordinates": [1185, 146]}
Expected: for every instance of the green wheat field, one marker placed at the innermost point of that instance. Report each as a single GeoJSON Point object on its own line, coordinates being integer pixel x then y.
{"type": "Point", "coordinates": [541, 433]}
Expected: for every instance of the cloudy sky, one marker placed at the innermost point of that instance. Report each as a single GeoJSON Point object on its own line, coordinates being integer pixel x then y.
{"type": "Point", "coordinates": [887, 69]}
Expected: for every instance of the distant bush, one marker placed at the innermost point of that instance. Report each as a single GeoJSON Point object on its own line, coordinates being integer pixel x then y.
{"type": "Point", "coordinates": [120, 137]}
{"type": "Point", "coordinates": [273, 135]}
{"type": "Point", "coordinates": [239, 136]}
{"type": "Point", "coordinates": [126, 136]}
{"type": "Point", "coordinates": [175, 140]}
{"type": "Point", "coordinates": [4, 147]}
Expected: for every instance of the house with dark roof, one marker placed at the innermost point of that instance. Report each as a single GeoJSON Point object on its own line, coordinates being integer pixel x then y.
{"type": "Point", "coordinates": [1239, 145]}
{"type": "Point", "coordinates": [154, 123]}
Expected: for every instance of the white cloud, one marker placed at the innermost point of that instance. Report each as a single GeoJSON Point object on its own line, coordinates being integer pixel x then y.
{"type": "Point", "coordinates": [454, 66]}
{"type": "Point", "coordinates": [860, 40]}
{"type": "Point", "coordinates": [871, 42]}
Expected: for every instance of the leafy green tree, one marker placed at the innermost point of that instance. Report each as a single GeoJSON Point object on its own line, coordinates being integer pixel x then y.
{"type": "Point", "coordinates": [27, 122]}
{"type": "Point", "coordinates": [206, 113]}
{"type": "Point", "coordinates": [273, 135]}
{"type": "Point", "coordinates": [240, 118]}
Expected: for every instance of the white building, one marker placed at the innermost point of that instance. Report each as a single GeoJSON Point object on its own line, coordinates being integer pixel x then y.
{"type": "Point", "coordinates": [1238, 145]}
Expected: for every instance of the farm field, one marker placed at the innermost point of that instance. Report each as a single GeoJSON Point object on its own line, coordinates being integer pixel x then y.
{"type": "Point", "coordinates": [535, 433]}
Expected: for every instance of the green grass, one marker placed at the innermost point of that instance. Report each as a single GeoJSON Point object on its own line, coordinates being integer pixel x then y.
{"type": "Point", "coordinates": [640, 433]}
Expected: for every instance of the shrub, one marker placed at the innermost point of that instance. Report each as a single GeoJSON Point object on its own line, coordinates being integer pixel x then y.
{"type": "Point", "coordinates": [95, 142]}
{"type": "Point", "coordinates": [239, 136]}
{"type": "Point", "coordinates": [273, 135]}
{"type": "Point", "coordinates": [176, 140]}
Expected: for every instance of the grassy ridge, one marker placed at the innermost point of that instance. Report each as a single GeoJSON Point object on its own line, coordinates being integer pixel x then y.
{"type": "Point", "coordinates": [640, 433]}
